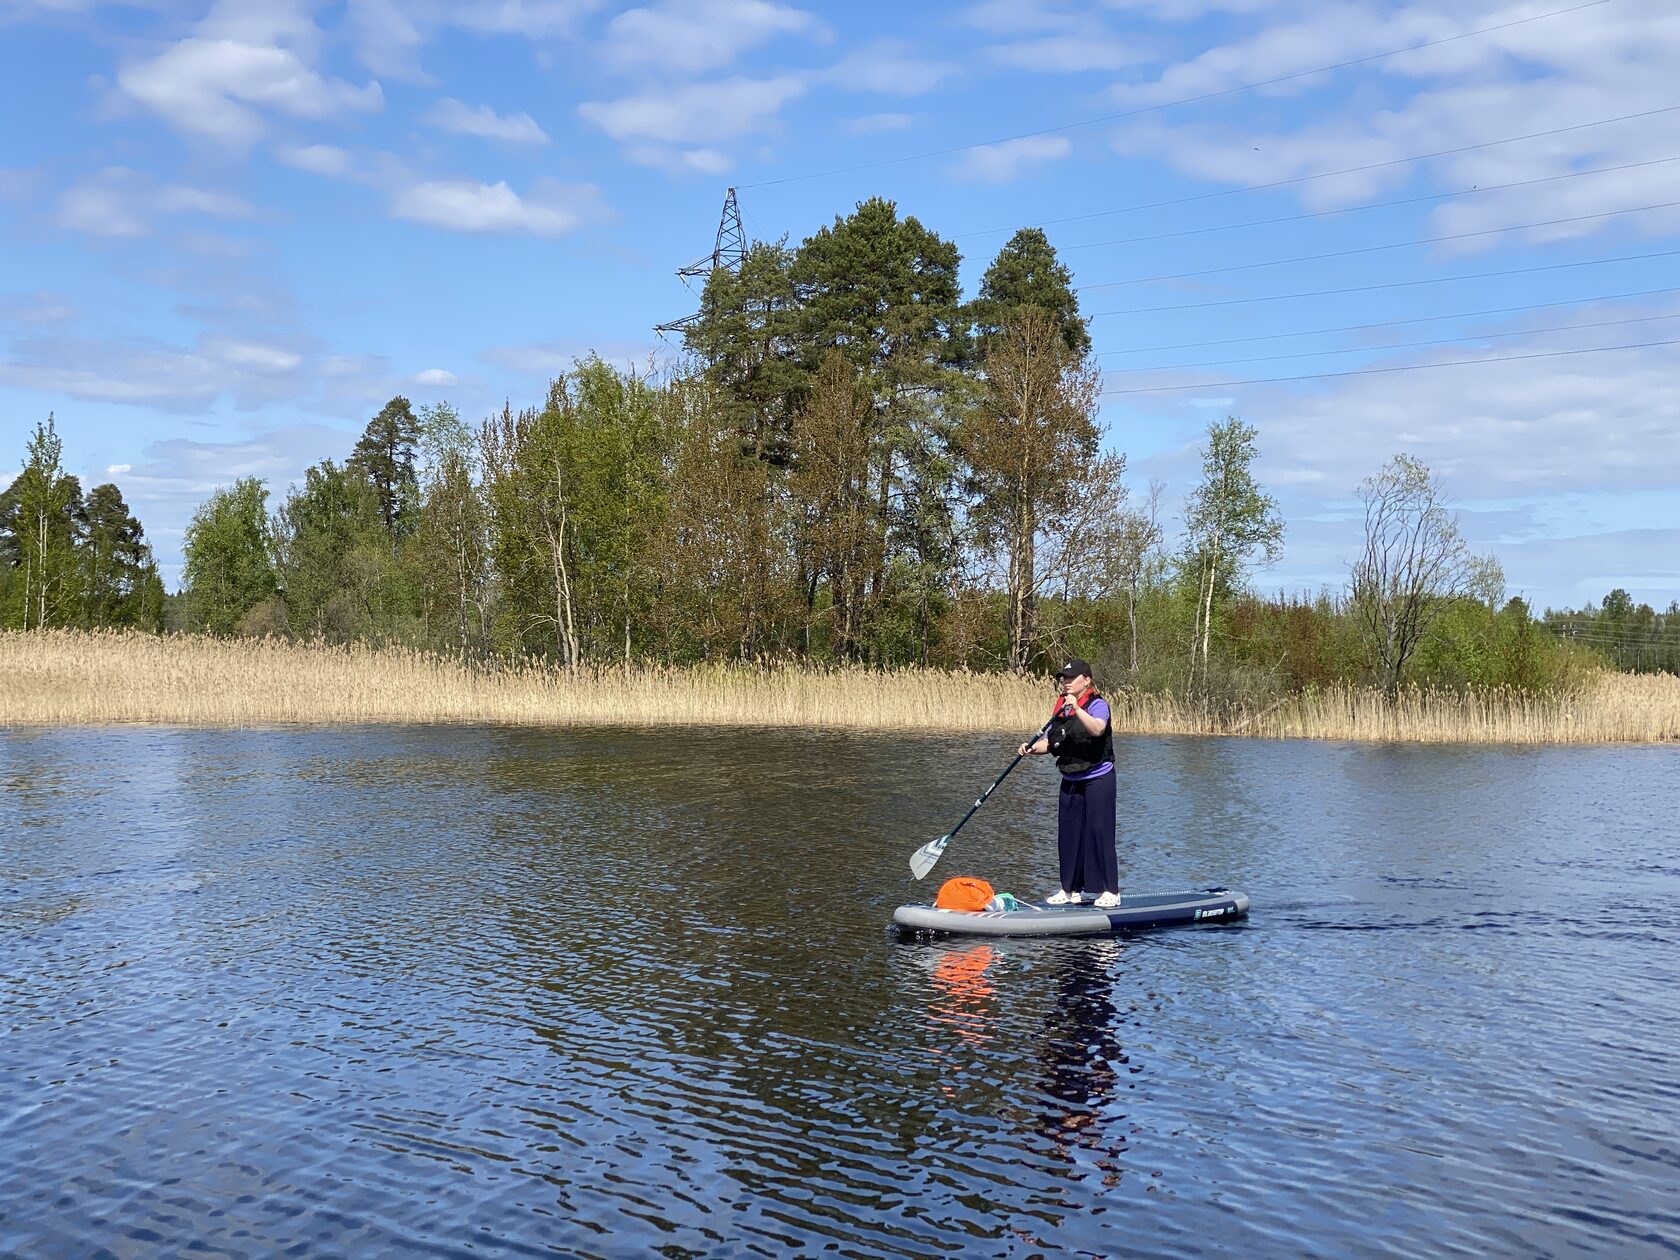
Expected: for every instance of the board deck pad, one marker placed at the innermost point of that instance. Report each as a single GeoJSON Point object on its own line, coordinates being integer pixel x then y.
{"type": "Point", "coordinates": [1035, 918]}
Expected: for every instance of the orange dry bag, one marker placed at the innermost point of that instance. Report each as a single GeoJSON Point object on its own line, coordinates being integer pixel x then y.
{"type": "Point", "coordinates": [963, 893]}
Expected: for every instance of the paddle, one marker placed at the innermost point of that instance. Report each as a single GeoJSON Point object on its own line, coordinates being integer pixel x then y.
{"type": "Point", "coordinates": [922, 860]}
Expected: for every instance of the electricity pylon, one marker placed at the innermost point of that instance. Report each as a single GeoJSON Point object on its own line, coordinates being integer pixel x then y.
{"type": "Point", "coordinates": [727, 252]}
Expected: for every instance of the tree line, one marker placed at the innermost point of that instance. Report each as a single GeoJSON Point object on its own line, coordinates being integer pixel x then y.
{"type": "Point", "coordinates": [1636, 637]}
{"type": "Point", "coordinates": [69, 558]}
{"type": "Point", "coordinates": [853, 465]}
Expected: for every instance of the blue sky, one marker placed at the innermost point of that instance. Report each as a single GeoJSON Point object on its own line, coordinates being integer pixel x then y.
{"type": "Point", "coordinates": [232, 231]}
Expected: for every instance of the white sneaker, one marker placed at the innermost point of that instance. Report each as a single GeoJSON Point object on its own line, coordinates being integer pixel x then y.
{"type": "Point", "coordinates": [1108, 901]}
{"type": "Point", "coordinates": [1062, 898]}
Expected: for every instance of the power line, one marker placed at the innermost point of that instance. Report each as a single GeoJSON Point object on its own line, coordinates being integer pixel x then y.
{"type": "Point", "coordinates": [1378, 371]}
{"type": "Point", "coordinates": [1188, 100]}
{"type": "Point", "coordinates": [1372, 205]}
{"type": "Point", "coordinates": [1346, 170]}
{"type": "Point", "coordinates": [1387, 323]}
{"type": "Point", "coordinates": [1393, 284]}
{"type": "Point", "coordinates": [1403, 345]}
{"type": "Point", "coordinates": [1375, 249]}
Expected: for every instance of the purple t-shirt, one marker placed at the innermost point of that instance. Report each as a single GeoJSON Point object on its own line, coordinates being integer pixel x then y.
{"type": "Point", "coordinates": [1098, 708]}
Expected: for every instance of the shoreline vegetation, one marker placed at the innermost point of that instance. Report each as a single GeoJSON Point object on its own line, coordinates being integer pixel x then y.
{"type": "Point", "coordinates": [97, 678]}
{"type": "Point", "coordinates": [903, 498]}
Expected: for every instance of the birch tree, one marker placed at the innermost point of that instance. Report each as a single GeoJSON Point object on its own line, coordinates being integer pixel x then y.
{"type": "Point", "coordinates": [43, 514]}
{"type": "Point", "coordinates": [1413, 564]}
{"type": "Point", "coordinates": [1230, 523]}
{"type": "Point", "coordinates": [533, 492]}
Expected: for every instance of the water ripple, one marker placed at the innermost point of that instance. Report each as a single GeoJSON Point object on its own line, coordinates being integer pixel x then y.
{"type": "Point", "coordinates": [450, 993]}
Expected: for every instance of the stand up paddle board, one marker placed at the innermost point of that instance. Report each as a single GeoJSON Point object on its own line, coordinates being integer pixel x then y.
{"type": "Point", "coordinates": [1151, 910]}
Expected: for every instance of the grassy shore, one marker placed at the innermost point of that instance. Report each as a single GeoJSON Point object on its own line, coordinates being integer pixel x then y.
{"type": "Point", "coordinates": [69, 678]}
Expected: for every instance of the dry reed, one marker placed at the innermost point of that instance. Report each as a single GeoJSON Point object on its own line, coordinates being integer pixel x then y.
{"type": "Point", "coordinates": [66, 678]}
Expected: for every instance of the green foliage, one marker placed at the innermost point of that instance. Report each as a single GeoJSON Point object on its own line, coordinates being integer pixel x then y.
{"type": "Point", "coordinates": [748, 338]}
{"type": "Point", "coordinates": [855, 467]}
{"type": "Point", "coordinates": [1229, 524]}
{"type": "Point", "coordinates": [575, 492]}
{"type": "Point", "coordinates": [43, 523]}
{"type": "Point", "coordinates": [1625, 635]}
{"type": "Point", "coordinates": [69, 562]}
{"type": "Point", "coordinates": [884, 291]}
{"type": "Point", "coordinates": [1027, 273]}
{"type": "Point", "coordinates": [333, 557]}
{"type": "Point", "coordinates": [385, 457]}
{"type": "Point", "coordinates": [448, 559]}
{"type": "Point", "coordinates": [228, 569]}
{"type": "Point", "coordinates": [120, 582]}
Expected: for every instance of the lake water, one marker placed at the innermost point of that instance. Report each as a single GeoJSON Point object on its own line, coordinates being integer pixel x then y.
{"type": "Point", "coordinates": [497, 992]}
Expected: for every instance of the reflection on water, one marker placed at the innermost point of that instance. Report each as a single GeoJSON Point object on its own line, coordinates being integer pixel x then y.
{"type": "Point", "coordinates": [417, 992]}
{"type": "Point", "coordinates": [964, 1001]}
{"type": "Point", "coordinates": [1083, 1057]}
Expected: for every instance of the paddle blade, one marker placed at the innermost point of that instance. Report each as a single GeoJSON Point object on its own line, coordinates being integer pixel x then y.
{"type": "Point", "coordinates": [922, 860]}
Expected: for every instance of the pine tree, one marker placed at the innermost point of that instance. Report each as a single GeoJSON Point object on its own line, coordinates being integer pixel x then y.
{"type": "Point", "coordinates": [747, 337]}
{"type": "Point", "coordinates": [120, 585]}
{"type": "Point", "coordinates": [385, 456]}
{"type": "Point", "coordinates": [1028, 443]}
{"type": "Point", "coordinates": [884, 292]}
{"type": "Point", "coordinates": [1026, 272]}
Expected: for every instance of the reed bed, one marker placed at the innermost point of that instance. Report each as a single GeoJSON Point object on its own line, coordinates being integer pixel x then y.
{"type": "Point", "coordinates": [1610, 708]}
{"type": "Point", "coordinates": [61, 678]}
{"type": "Point", "coordinates": [68, 678]}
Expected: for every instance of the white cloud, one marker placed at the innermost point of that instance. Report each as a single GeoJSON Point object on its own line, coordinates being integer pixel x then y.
{"type": "Point", "coordinates": [538, 19]}
{"type": "Point", "coordinates": [435, 378]}
{"type": "Point", "coordinates": [1500, 427]}
{"type": "Point", "coordinates": [696, 36]}
{"type": "Point", "coordinates": [874, 124]}
{"type": "Point", "coordinates": [253, 356]}
{"type": "Point", "coordinates": [1070, 54]}
{"type": "Point", "coordinates": [468, 206]}
{"type": "Point", "coordinates": [147, 373]}
{"type": "Point", "coordinates": [217, 87]}
{"type": "Point", "coordinates": [317, 159]}
{"type": "Point", "coordinates": [464, 120]}
{"type": "Point", "coordinates": [891, 69]}
{"type": "Point", "coordinates": [677, 161]}
{"type": "Point", "coordinates": [1580, 567]}
{"type": "Point", "coordinates": [35, 308]}
{"type": "Point", "coordinates": [1194, 10]}
{"type": "Point", "coordinates": [118, 202]}
{"type": "Point", "coordinates": [999, 163]}
{"type": "Point", "coordinates": [288, 22]}
{"type": "Point", "coordinates": [699, 113]}
{"type": "Point", "coordinates": [116, 470]}
{"type": "Point", "coordinates": [388, 40]}
{"type": "Point", "coordinates": [1050, 38]}
{"type": "Point", "coordinates": [1551, 75]}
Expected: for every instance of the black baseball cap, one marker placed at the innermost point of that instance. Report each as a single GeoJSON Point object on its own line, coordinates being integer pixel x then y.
{"type": "Point", "coordinates": [1074, 668]}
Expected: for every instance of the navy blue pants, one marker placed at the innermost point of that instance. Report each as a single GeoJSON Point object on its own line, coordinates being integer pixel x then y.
{"type": "Point", "coordinates": [1085, 835]}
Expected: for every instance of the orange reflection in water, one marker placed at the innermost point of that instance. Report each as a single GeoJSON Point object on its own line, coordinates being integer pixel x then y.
{"type": "Point", "coordinates": [963, 998]}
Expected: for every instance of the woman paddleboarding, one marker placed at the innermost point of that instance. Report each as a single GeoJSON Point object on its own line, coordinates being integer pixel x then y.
{"type": "Point", "coordinates": [1081, 736]}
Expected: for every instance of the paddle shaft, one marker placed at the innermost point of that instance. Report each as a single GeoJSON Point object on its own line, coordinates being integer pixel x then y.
{"type": "Point", "coordinates": [975, 808]}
